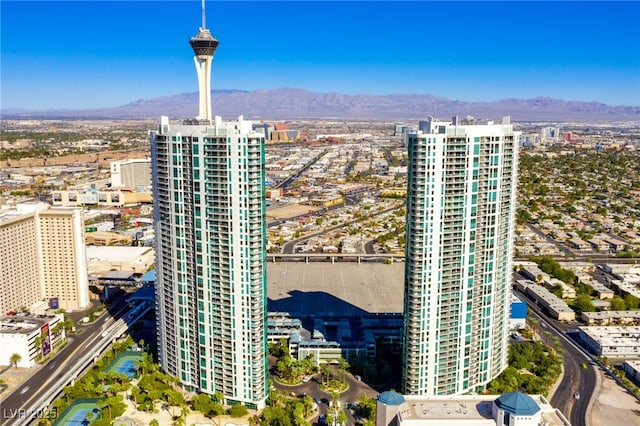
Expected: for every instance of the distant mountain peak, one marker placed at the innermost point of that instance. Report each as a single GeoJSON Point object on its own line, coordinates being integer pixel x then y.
{"type": "Point", "coordinates": [291, 102]}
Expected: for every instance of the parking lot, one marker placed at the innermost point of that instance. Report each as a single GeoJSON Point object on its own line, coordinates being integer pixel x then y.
{"type": "Point", "coordinates": [335, 289]}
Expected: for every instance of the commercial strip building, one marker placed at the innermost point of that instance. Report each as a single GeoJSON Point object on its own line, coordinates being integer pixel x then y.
{"type": "Point", "coordinates": [42, 258]}
{"type": "Point", "coordinates": [555, 307]}
{"type": "Point", "coordinates": [94, 197]}
{"type": "Point", "coordinates": [29, 336]}
{"type": "Point", "coordinates": [611, 318]}
{"type": "Point", "coordinates": [612, 342]}
{"type": "Point", "coordinates": [512, 409]}
{"type": "Point", "coordinates": [632, 368]}
{"type": "Point", "coordinates": [462, 179]}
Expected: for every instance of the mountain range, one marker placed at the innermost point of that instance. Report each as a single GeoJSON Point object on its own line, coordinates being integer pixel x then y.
{"type": "Point", "coordinates": [291, 103]}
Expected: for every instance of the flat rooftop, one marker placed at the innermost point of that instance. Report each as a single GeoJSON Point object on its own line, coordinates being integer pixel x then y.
{"type": "Point", "coordinates": [465, 409]}
{"type": "Point", "coordinates": [614, 335]}
{"type": "Point", "coordinates": [115, 253]}
{"type": "Point", "coordinates": [335, 289]}
{"type": "Point", "coordinates": [23, 324]}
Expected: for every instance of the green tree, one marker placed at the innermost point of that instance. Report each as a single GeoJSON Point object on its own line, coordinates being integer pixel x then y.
{"type": "Point", "coordinates": [557, 290]}
{"type": "Point", "coordinates": [617, 304]}
{"type": "Point", "coordinates": [366, 407]}
{"type": "Point", "coordinates": [57, 329]}
{"type": "Point", "coordinates": [174, 398]}
{"type": "Point", "coordinates": [583, 304]}
{"type": "Point", "coordinates": [238, 410]}
{"type": "Point", "coordinates": [207, 406]}
{"type": "Point", "coordinates": [632, 301]}
{"type": "Point", "coordinates": [14, 359]}
{"type": "Point", "coordinates": [342, 417]}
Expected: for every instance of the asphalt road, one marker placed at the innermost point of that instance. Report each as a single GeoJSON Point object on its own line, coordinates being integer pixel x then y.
{"type": "Point", "coordinates": [77, 346]}
{"type": "Point", "coordinates": [575, 378]}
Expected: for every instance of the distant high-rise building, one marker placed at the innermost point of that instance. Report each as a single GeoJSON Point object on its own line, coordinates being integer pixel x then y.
{"type": "Point", "coordinates": [43, 257]}
{"type": "Point", "coordinates": [131, 174]}
{"type": "Point", "coordinates": [460, 222]}
{"type": "Point", "coordinates": [208, 181]}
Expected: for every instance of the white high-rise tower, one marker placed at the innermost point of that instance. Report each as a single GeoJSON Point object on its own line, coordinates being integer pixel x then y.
{"type": "Point", "coordinates": [208, 180]}
{"type": "Point", "coordinates": [460, 224]}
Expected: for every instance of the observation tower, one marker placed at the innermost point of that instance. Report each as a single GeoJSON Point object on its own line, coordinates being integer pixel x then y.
{"type": "Point", "coordinates": [204, 46]}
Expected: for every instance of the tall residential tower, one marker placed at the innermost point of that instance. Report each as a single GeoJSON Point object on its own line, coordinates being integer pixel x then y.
{"type": "Point", "coordinates": [460, 223]}
{"type": "Point", "coordinates": [208, 180]}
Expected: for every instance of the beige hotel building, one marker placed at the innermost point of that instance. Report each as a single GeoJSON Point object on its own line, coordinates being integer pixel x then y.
{"type": "Point", "coordinates": [42, 256]}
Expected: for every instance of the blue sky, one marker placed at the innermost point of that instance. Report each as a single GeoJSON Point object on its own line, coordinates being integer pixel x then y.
{"type": "Point", "coordinates": [83, 54]}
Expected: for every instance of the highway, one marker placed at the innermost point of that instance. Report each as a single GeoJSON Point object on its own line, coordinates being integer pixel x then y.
{"type": "Point", "coordinates": [575, 377]}
{"type": "Point", "coordinates": [25, 399]}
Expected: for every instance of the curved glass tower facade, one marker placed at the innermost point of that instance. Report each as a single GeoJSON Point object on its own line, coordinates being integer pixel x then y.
{"type": "Point", "coordinates": [210, 255]}
{"type": "Point", "coordinates": [460, 224]}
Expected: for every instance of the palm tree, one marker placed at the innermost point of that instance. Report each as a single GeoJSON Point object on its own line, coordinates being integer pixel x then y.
{"type": "Point", "coordinates": [343, 366]}
{"type": "Point", "coordinates": [15, 359]}
{"type": "Point", "coordinates": [57, 328]}
{"type": "Point", "coordinates": [326, 372]}
{"type": "Point", "coordinates": [101, 405]}
{"type": "Point", "coordinates": [37, 342]}
{"type": "Point", "coordinates": [184, 410]}
{"type": "Point", "coordinates": [342, 417]}
{"type": "Point", "coordinates": [534, 323]}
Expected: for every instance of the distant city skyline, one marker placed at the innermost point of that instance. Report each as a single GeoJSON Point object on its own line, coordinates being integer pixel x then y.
{"type": "Point", "coordinates": [81, 54]}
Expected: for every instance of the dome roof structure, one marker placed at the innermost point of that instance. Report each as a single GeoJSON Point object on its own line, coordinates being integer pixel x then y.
{"type": "Point", "coordinates": [390, 398]}
{"type": "Point", "coordinates": [517, 403]}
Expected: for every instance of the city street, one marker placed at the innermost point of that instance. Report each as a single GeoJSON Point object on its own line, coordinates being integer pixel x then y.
{"type": "Point", "coordinates": [575, 377]}
{"type": "Point", "coordinates": [78, 345]}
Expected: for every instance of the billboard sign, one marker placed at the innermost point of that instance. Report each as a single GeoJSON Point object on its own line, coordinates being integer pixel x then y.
{"type": "Point", "coordinates": [54, 303]}
{"type": "Point", "coordinates": [45, 336]}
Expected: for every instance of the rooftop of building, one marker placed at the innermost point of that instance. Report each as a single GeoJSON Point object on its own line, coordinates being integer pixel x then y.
{"type": "Point", "coordinates": [26, 210]}
{"type": "Point", "coordinates": [465, 409]}
{"type": "Point", "coordinates": [112, 276]}
{"type": "Point", "coordinates": [633, 363]}
{"type": "Point", "coordinates": [610, 314]}
{"type": "Point", "coordinates": [614, 335]}
{"type": "Point", "coordinates": [116, 253]}
{"type": "Point", "coordinates": [23, 323]}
